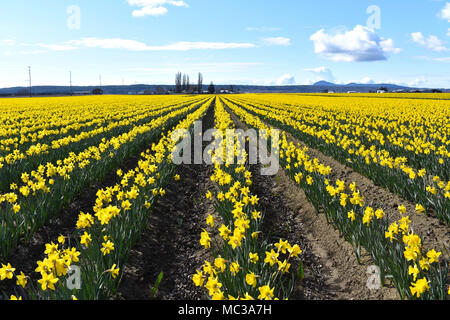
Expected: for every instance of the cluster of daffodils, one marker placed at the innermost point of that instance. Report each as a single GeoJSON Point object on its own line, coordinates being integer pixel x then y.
{"type": "Point", "coordinates": [245, 266]}
{"type": "Point", "coordinates": [421, 264]}
{"type": "Point", "coordinates": [105, 237]}
{"type": "Point", "coordinates": [393, 247]}
{"type": "Point", "coordinates": [353, 138]}
{"type": "Point", "coordinates": [42, 192]}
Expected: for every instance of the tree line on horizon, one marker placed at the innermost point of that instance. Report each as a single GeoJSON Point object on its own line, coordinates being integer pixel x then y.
{"type": "Point", "coordinates": [182, 84]}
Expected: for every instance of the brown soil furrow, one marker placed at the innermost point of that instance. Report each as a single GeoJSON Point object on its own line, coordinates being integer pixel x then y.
{"type": "Point", "coordinates": [170, 244]}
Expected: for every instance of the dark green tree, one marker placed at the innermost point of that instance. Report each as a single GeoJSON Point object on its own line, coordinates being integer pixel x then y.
{"type": "Point", "coordinates": [211, 89]}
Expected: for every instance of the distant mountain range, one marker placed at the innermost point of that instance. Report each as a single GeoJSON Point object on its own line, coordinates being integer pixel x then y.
{"type": "Point", "coordinates": [321, 86]}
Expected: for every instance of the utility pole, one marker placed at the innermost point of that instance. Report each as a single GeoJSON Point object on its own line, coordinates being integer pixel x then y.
{"type": "Point", "coordinates": [29, 77]}
{"type": "Point", "coordinates": [100, 81]}
{"type": "Point", "coordinates": [71, 92]}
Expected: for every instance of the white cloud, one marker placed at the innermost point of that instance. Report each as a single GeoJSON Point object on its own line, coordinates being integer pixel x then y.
{"type": "Point", "coordinates": [153, 7]}
{"type": "Point", "coordinates": [438, 59]}
{"type": "Point", "coordinates": [322, 73]}
{"type": "Point", "coordinates": [445, 12]}
{"type": "Point", "coordinates": [366, 80]}
{"type": "Point", "coordinates": [277, 41]}
{"type": "Point", "coordinates": [7, 42]}
{"type": "Point", "coordinates": [57, 47]}
{"type": "Point", "coordinates": [133, 45]}
{"type": "Point", "coordinates": [285, 80]}
{"type": "Point", "coordinates": [359, 44]}
{"type": "Point", "coordinates": [432, 42]}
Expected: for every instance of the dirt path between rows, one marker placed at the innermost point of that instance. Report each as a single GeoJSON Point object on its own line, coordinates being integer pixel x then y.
{"type": "Point", "coordinates": [170, 244]}
{"type": "Point", "coordinates": [342, 277]}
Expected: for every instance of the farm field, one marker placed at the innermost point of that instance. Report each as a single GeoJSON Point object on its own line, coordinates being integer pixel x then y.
{"type": "Point", "coordinates": [94, 205]}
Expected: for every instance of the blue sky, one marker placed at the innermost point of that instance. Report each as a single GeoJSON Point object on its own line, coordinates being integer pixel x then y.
{"type": "Point", "coordinates": [246, 41]}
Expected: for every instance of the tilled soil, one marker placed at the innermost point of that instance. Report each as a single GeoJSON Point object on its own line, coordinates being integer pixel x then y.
{"type": "Point", "coordinates": [170, 244]}
{"type": "Point", "coordinates": [281, 220]}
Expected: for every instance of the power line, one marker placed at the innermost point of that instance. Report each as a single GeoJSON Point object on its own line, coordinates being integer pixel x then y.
{"type": "Point", "coordinates": [70, 74]}
{"type": "Point", "coordinates": [29, 77]}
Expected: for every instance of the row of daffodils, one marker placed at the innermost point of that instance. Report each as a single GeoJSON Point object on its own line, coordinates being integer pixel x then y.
{"type": "Point", "coordinates": [354, 139]}
{"type": "Point", "coordinates": [243, 265]}
{"type": "Point", "coordinates": [40, 194]}
{"type": "Point", "coordinates": [416, 272]}
{"type": "Point", "coordinates": [87, 264]}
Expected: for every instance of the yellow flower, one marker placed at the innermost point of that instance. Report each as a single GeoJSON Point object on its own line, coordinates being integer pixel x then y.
{"type": "Point", "coordinates": [411, 253]}
{"type": "Point", "coordinates": [256, 215]}
{"type": "Point", "coordinates": [126, 205]}
{"type": "Point", "coordinates": [282, 246]}
{"type": "Point", "coordinates": [107, 247]}
{"type": "Point", "coordinates": [198, 279]}
{"type": "Point", "coordinates": [48, 281]}
{"type": "Point", "coordinates": [6, 272]}
{"type": "Point", "coordinates": [14, 298]}
{"type": "Point", "coordinates": [234, 268]}
{"type": "Point", "coordinates": [283, 266]}
{"type": "Point", "coordinates": [113, 271]}
{"type": "Point", "coordinates": [86, 239]}
{"type": "Point", "coordinates": [213, 285]}
{"type": "Point", "coordinates": [218, 296]}
{"type": "Point", "coordinates": [271, 257]}
{"type": "Point", "coordinates": [61, 239]}
{"type": "Point", "coordinates": [413, 271]}
{"type": "Point", "coordinates": [224, 232]}
{"type": "Point", "coordinates": [177, 177]}
{"type": "Point", "coordinates": [294, 250]}
{"type": "Point", "coordinates": [254, 258]}
{"type": "Point", "coordinates": [250, 279]}
{"type": "Point", "coordinates": [220, 264]}
{"type": "Point", "coordinates": [402, 209]}
{"type": "Point", "coordinates": [210, 221]}
{"type": "Point", "coordinates": [379, 213]}
{"type": "Point", "coordinates": [420, 208]}
{"type": "Point", "coordinates": [433, 256]}
{"type": "Point", "coordinates": [351, 215]}
{"type": "Point", "coordinates": [22, 280]}
{"type": "Point", "coordinates": [265, 293]}
{"type": "Point", "coordinates": [419, 287]}
{"type": "Point", "coordinates": [205, 240]}
{"type": "Point", "coordinates": [16, 207]}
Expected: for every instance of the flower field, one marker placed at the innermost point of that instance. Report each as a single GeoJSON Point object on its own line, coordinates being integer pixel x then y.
{"type": "Point", "coordinates": [94, 206]}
